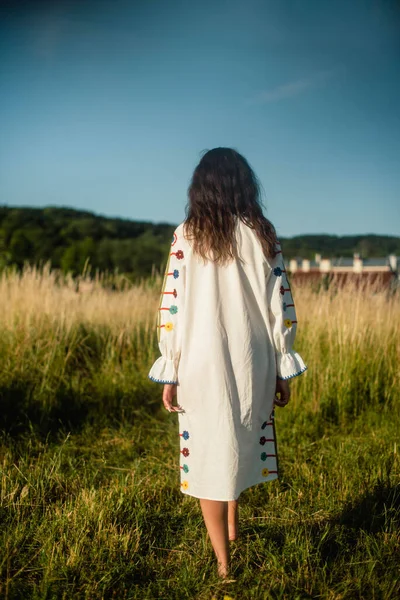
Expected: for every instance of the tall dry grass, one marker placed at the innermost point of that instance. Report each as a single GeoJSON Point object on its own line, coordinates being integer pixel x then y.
{"type": "Point", "coordinates": [70, 348]}
{"type": "Point", "coordinates": [350, 338]}
{"type": "Point", "coordinates": [38, 298]}
{"type": "Point", "coordinates": [63, 337]}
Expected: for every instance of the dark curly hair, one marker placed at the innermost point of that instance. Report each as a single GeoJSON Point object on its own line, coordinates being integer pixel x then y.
{"type": "Point", "coordinates": [223, 186]}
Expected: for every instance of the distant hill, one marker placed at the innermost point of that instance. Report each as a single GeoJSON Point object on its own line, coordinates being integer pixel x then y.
{"type": "Point", "coordinates": [67, 237]}
{"type": "Point", "coordinates": [335, 246]}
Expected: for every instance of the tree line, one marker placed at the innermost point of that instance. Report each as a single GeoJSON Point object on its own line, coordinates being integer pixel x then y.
{"type": "Point", "coordinates": [69, 237]}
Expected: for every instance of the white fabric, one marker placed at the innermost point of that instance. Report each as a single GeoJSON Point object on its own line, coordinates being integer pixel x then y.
{"type": "Point", "coordinates": [225, 333]}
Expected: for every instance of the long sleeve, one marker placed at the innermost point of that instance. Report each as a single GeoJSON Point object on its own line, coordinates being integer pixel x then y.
{"type": "Point", "coordinates": [165, 368]}
{"type": "Point", "coordinates": [283, 319]}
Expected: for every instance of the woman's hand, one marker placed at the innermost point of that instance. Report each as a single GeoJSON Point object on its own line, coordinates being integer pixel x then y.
{"type": "Point", "coordinates": [169, 392]}
{"type": "Point", "coordinates": [283, 389]}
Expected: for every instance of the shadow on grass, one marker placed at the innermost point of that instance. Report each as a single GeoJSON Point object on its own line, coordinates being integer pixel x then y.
{"type": "Point", "coordinates": [24, 410]}
{"type": "Point", "coordinates": [375, 511]}
{"type": "Point", "coordinates": [331, 540]}
{"type": "Point", "coordinates": [21, 413]}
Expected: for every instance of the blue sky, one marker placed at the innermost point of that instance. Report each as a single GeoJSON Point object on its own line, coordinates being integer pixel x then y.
{"type": "Point", "coordinates": [106, 106]}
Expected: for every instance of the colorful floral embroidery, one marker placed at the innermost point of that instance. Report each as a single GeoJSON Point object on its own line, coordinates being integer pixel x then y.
{"type": "Point", "coordinates": [263, 426]}
{"type": "Point", "coordinates": [185, 468]}
{"type": "Point", "coordinates": [185, 452]}
{"type": "Point", "coordinates": [185, 485]}
{"type": "Point", "coordinates": [265, 472]}
{"type": "Point", "coordinates": [264, 456]}
{"type": "Point", "coordinates": [263, 440]}
{"type": "Point", "coordinates": [174, 293]}
{"type": "Point", "coordinates": [175, 273]}
{"type": "Point", "coordinates": [173, 309]}
{"type": "Point", "coordinates": [289, 322]}
{"type": "Point", "coordinates": [278, 271]}
{"type": "Point", "coordinates": [285, 306]}
{"type": "Point", "coordinates": [283, 290]}
{"type": "Point", "coordinates": [185, 435]}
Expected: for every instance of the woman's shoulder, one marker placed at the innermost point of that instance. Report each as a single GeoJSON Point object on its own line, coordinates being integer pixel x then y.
{"type": "Point", "coordinates": [179, 231]}
{"type": "Point", "coordinates": [179, 240]}
{"type": "Point", "coordinates": [179, 227]}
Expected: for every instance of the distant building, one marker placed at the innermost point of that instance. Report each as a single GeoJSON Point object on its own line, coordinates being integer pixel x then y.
{"type": "Point", "coordinates": [381, 271]}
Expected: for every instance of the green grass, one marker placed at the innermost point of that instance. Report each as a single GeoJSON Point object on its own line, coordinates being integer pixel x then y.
{"type": "Point", "coordinates": [99, 514]}
{"type": "Point", "coordinates": [91, 505]}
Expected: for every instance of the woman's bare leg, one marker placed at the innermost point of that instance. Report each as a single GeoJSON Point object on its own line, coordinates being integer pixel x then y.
{"type": "Point", "coordinates": [215, 514]}
{"type": "Point", "coordinates": [233, 519]}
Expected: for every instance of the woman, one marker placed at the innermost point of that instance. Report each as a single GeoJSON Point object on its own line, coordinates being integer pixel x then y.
{"type": "Point", "coordinates": [226, 327]}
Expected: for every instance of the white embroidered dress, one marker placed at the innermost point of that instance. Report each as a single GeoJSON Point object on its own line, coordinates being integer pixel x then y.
{"type": "Point", "coordinates": [225, 333]}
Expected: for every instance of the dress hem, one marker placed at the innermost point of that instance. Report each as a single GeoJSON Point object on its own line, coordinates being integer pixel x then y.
{"type": "Point", "coordinates": [267, 480]}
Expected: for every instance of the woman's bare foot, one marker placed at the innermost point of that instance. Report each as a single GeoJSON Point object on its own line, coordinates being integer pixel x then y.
{"type": "Point", "coordinates": [233, 519]}
{"type": "Point", "coordinates": [223, 570]}
{"type": "Point", "coordinates": [225, 574]}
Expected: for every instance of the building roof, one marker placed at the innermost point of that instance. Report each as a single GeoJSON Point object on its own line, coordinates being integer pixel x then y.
{"type": "Point", "coordinates": [376, 262]}
{"type": "Point", "coordinates": [345, 261]}
{"type": "Point", "coordinates": [342, 262]}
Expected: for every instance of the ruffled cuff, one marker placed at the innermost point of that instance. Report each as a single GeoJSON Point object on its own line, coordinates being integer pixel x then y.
{"type": "Point", "coordinates": [289, 364]}
{"type": "Point", "coordinates": [163, 371]}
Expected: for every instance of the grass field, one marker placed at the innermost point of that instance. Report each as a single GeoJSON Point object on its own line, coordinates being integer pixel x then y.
{"type": "Point", "coordinates": [90, 500]}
